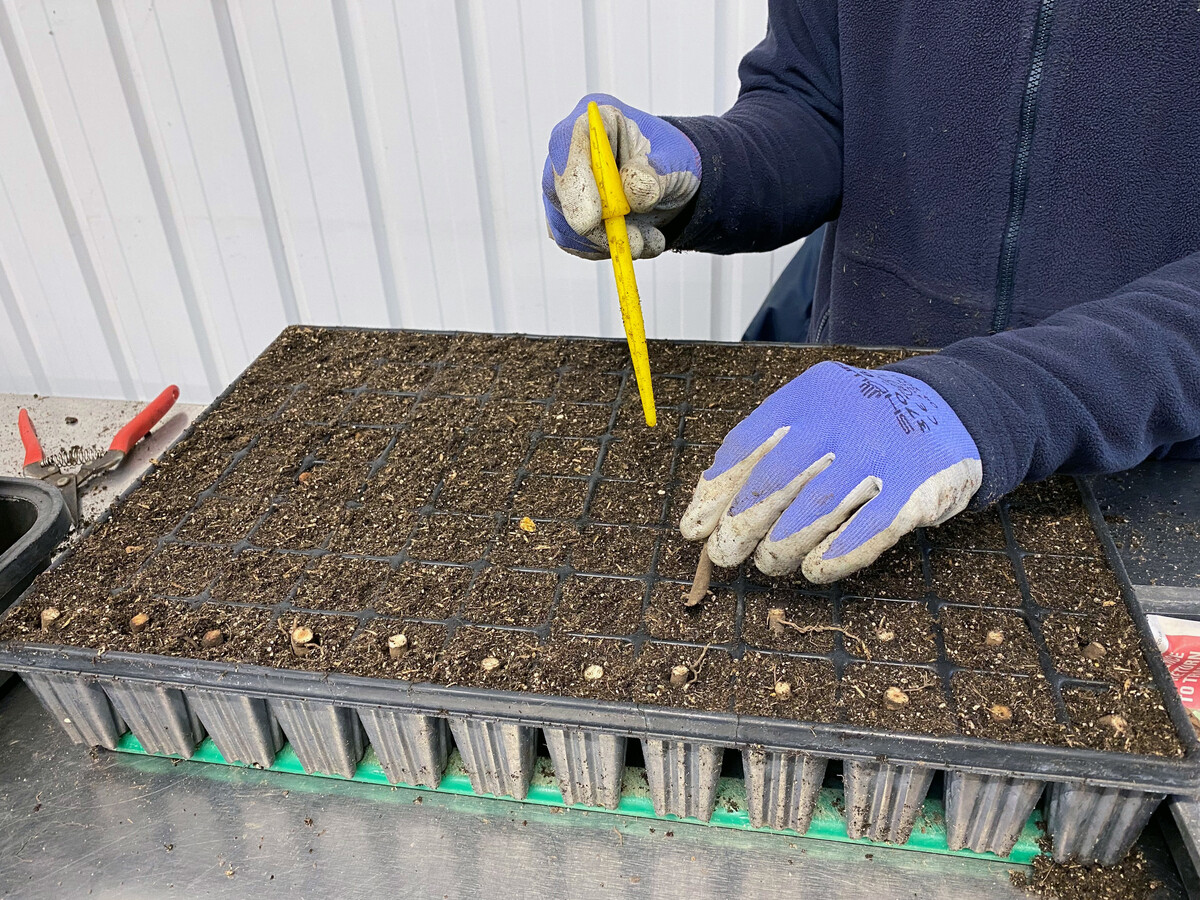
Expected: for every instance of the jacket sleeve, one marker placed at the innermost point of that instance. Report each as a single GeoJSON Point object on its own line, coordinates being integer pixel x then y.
{"type": "Point", "coordinates": [771, 167]}
{"type": "Point", "coordinates": [1098, 387]}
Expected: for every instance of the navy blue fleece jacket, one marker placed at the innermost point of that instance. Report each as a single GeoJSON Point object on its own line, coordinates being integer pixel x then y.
{"type": "Point", "coordinates": [1017, 183]}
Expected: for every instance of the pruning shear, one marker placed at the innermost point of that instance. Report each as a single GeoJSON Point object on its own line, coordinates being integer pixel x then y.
{"type": "Point", "coordinates": [69, 483]}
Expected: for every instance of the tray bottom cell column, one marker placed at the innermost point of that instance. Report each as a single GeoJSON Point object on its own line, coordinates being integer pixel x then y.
{"type": "Point", "coordinates": [986, 813]}
{"type": "Point", "coordinates": [782, 787]}
{"type": "Point", "coordinates": [80, 707]}
{"type": "Point", "coordinates": [158, 716]}
{"type": "Point", "coordinates": [589, 764]}
{"type": "Point", "coordinates": [243, 728]}
{"type": "Point", "coordinates": [883, 800]}
{"type": "Point", "coordinates": [411, 747]}
{"type": "Point", "coordinates": [683, 777]}
{"type": "Point", "coordinates": [326, 738]}
{"type": "Point", "coordinates": [499, 756]}
{"type": "Point", "coordinates": [1097, 824]}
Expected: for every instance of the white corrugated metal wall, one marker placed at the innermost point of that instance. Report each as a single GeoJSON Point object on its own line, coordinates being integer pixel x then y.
{"type": "Point", "coordinates": [180, 179]}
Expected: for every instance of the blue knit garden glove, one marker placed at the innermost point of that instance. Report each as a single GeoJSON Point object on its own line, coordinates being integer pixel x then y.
{"type": "Point", "coordinates": [789, 478]}
{"type": "Point", "coordinates": [660, 171]}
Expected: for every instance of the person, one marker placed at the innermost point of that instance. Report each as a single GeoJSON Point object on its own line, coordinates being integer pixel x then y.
{"type": "Point", "coordinates": [1018, 185]}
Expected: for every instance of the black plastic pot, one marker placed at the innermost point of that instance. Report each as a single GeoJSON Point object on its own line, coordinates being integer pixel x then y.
{"type": "Point", "coordinates": [33, 519]}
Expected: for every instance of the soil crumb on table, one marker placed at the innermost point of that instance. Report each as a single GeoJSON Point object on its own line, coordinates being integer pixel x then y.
{"type": "Point", "coordinates": [1127, 880]}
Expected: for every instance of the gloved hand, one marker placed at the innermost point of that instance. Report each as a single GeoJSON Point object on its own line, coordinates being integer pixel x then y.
{"type": "Point", "coordinates": [834, 440]}
{"type": "Point", "coordinates": [660, 172]}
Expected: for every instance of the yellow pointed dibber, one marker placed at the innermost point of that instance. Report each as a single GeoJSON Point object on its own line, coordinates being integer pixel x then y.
{"type": "Point", "coordinates": [614, 207]}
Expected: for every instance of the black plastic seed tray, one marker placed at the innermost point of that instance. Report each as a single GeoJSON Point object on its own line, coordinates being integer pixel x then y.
{"type": "Point", "coordinates": [363, 396]}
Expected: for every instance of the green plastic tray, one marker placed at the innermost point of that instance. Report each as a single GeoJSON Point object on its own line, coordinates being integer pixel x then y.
{"type": "Point", "coordinates": [828, 822]}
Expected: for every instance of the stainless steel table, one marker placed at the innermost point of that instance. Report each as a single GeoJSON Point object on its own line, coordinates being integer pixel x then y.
{"type": "Point", "coordinates": [111, 825]}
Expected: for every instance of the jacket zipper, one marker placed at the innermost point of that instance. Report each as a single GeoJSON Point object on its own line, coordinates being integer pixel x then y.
{"type": "Point", "coordinates": [1019, 185]}
{"type": "Point", "coordinates": [821, 325]}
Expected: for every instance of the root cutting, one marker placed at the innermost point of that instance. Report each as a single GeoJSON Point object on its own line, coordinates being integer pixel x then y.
{"type": "Point", "coordinates": [777, 622]}
{"type": "Point", "coordinates": [701, 580]}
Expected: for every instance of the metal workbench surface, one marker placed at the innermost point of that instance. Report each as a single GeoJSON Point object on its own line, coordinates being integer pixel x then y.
{"type": "Point", "coordinates": [74, 823]}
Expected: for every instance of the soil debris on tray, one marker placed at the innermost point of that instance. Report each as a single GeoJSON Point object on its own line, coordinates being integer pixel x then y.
{"type": "Point", "coordinates": [1006, 708]}
{"type": "Point", "coordinates": [987, 639]}
{"type": "Point", "coordinates": [864, 699]}
{"type": "Point", "coordinates": [811, 619]}
{"type": "Point", "coordinates": [887, 630]}
{"type": "Point", "coordinates": [596, 605]}
{"type": "Point", "coordinates": [986, 579]}
{"type": "Point", "coordinates": [1129, 718]}
{"type": "Point", "coordinates": [496, 508]}
{"type": "Point", "coordinates": [587, 667]}
{"type": "Point", "coordinates": [785, 687]}
{"type": "Point", "coordinates": [490, 657]}
{"type": "Point", "coordinates": [1129, 879]}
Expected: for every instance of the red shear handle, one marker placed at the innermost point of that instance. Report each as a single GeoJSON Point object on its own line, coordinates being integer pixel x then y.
{"type": "Point", "coordinates": [139, 426]}
{"type": "Point", "coordinates": [33, 449]}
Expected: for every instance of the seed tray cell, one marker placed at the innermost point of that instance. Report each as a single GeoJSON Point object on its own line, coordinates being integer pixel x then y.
{"type": "Point", "coordinates": [473, 506]}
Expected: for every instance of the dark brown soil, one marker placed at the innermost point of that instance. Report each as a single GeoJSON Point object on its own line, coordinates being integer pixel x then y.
{"type": "Point", "coordinates": [609, 606]}
{"type": "Point", "coordinates": [760, 688]}
{"type": "Point", "coordinates": [1049, 517]}
{"type": "Point", "coordinates": [1028, 700]}
{"type": "Point", "coordinates": [986, 579]}
{"type": "Point", "coordinates": [864, 688]}
{"type": "Point", "coordinates": [179, 570]}
{"type": "Point", "coordinates": [447, 538]}
{"type": "Point", "coordinates": [709, 622]}
{"type": "Point", "coordinates": [1146, 728]}
{"type": "Point", "coordinates": [550, 497]}
{"type": "Point", "coordinates": [502, 497]}
{"type": "Point", "coordinates": [505, 597]}
{"type": "Point", "coordinates": [611, 549]}
{"type": "Point", "coordinates": [620, 502]}
{"type": "Point", "coordinates": [896, 575]}
{"type": "Point", "coordinates": [342, 584]}
{"type": "Point", "coordinates": [811, 629]}
{"type": "Point", "coordinates": [677, 558]}
{"type": "Point", "coordinates": [970, 531]}
{"type": "Point", "coordinates": [1103, 647]}
{"type": "Point", "coordinates": [1127, 880]}
{"type": "Point", "coordinates": [418, 591]}
{"type": "Point", "coordinates": [368, 655]}
{"type": "Point", "coordinates": [985, 639]}
{"type": "Point", "coordinates": [540, 545]}
{"type": "Point", "coordinates": [565, 456]}
{"type": "Point", "coordinates": [707, 687]}
{"type": "Point", "coordinates": [648, 458]}
{"type": "Point", "coordinates": [1079, 585]}
{"type": "Point", "coordinates": [564, 664]}
{"type": "Point", "coordinates": [462, 660]}
{"type": "Point", "coordinates": [889, 631]}
{"type": "Point", "coordinates": [260, 578]}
